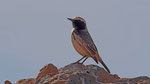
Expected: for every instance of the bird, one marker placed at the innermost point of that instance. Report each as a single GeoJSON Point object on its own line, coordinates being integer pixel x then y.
{"type": "Point", "coordinates": [82, 41]}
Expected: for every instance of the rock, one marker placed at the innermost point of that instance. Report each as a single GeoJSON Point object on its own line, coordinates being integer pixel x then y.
{"type": "Point", "coordinates": [25, 81]}
{"type": "Point", "coordinates": [80, 74]}
{"type": "Point", "coordinates": [94, 72]}
{"type": "Point", "coordinates": [49, 69]}
{"type": "Point", "coordinates": [7, 82]}
{"type": "Point", "coordinates": [137, 80]}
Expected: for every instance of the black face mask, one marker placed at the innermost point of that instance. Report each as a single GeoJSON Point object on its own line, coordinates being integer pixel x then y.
{"type": "Point", "coordinates": [79, 25]}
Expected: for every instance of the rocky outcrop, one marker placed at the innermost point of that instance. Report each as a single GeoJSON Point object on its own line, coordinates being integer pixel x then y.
{"type": "Point", "coordinates": [48, 70]}
{"type": "Point", "coordinates": [80, 74]}
{"type": "Point", "coordinates": [26, 81]}
{"type": "Point", "coordinates": [7, 82]}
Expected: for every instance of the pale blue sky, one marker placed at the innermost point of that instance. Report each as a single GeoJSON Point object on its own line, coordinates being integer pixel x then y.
{"type": "Point", "coordinates": [34, 33]}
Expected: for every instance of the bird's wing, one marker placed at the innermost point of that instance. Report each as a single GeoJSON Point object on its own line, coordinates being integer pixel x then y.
{"type": "Point", "coordinates": [84, 39]}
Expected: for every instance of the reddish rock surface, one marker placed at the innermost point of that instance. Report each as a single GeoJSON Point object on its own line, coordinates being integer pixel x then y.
{"type": "Point", "coordinates": [25, 81]}
{"type": "Point", "coordinates": [7, 82]}
{"type": "Point", "coordinates": [80, 74]}
{"type": "Point", "coordinates": [49, 70]}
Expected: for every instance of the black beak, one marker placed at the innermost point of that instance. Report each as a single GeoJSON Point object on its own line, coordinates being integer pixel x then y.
{"type": "Point", "coordinates": [70, 19]}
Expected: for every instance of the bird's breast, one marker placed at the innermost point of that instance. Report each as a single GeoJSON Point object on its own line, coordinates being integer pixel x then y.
{"type": "Point", "coordinates": [78, 45]}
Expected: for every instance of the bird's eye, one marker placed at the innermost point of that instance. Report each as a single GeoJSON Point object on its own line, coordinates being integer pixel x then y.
{"type": "Point", "coordinates": [79, 20]}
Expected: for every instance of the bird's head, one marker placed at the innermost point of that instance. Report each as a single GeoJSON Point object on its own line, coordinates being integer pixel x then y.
{"type": "Point", "coordinates": [78, 23]}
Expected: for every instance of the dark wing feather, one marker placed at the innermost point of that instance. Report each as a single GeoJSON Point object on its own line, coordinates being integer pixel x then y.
{"type": "Point", "coordinates": [84, 38]}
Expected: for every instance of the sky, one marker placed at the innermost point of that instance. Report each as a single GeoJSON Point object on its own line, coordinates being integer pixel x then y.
{"type": "Point", "coordinates": [34, 33]}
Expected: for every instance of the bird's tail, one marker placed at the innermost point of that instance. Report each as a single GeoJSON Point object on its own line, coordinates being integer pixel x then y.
{"type": "Point", "coordinates": [101, 61]}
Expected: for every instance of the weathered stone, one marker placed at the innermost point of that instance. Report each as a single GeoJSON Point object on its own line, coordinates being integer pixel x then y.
{"type": "Point", "coordinates": [26, 81]}
{"type": "Point", "coordinates": [7, 82]}
{"type": "Point", "coordinates": [49, 69]}
{"type": "Point", "coordinates": [80, 74]}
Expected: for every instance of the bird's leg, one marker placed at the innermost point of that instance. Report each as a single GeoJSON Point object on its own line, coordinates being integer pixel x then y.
{"type": "Point", "coordinates": [84, 60]}
{"type": "Point", "coordinates": [79, 60]}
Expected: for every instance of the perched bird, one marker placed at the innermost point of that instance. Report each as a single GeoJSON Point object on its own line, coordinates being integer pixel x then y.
{"type": "Point", "coordinates": [83, 42]}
